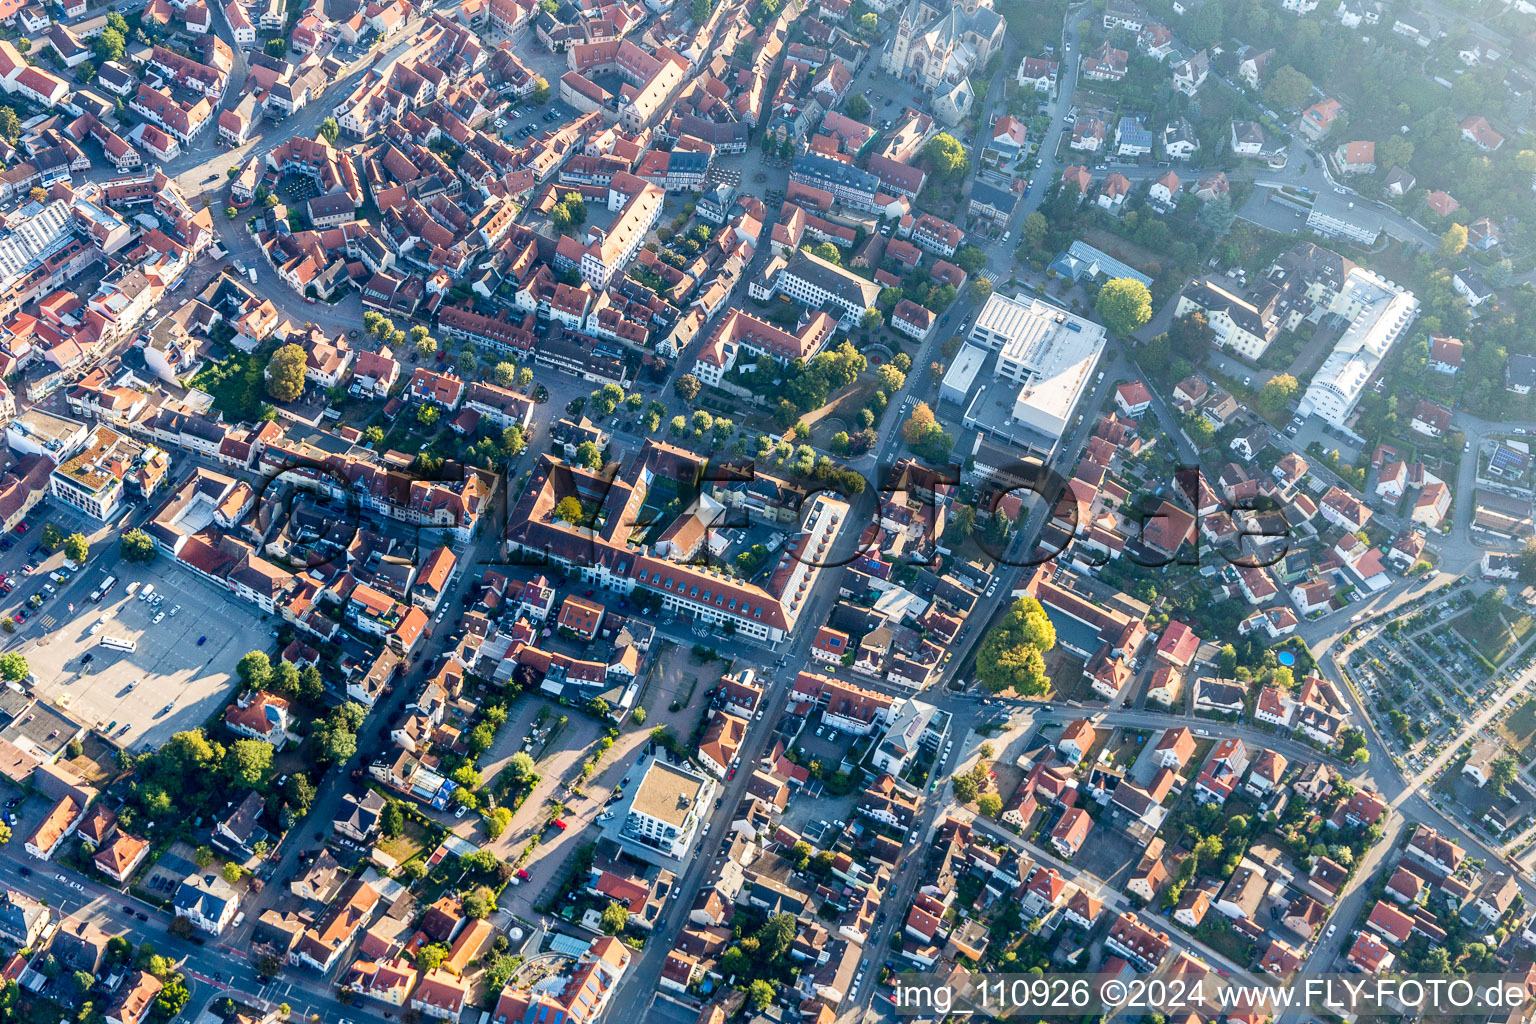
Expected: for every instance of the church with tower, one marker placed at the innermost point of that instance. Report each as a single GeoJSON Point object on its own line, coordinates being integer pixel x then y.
{"type": "Point", "coordinates": [938, 45]}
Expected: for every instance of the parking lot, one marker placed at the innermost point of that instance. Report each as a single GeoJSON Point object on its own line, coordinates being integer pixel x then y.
{"type": "Point", "coordinates": [522, 122]}
{"type": "Point", "coordinates": [168, 668]}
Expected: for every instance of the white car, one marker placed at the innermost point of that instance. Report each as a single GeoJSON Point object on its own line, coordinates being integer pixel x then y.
{"type": "Point", "coordinates": [158, 616]}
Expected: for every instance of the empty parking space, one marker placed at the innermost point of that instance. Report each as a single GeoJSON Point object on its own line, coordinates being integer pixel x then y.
{"type": "Point", "coordinates": [169, 682]}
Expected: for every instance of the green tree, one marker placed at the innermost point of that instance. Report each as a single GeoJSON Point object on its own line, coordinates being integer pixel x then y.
{"type": "Point", "coordinates": [1011, 653]}
{"type": "Point", "coordinates": [1352, 746]}
{"type": "Point", "coordinates": [568, 509]}
{"type": "Point", "coordinates": [615, 919]}
{"type": "Point", "coordinates": [871, 319]}
{"type": "Point", "coordinates": [330, 131]}
{"type": "Point", "coordinates": [828, 252]}
{"type": "Point", "coordinates": [1288, 89]}
{"type": "Point", "coordinates": [989, 805]}
{"type": "Point", "coordinates": [947, 157]}
{"type": "Point", "coordinates": [254, 670]}
{"type": "Point", "coordinates": [1502, 773]}
{"type": "Point", "coordinates": [522, 770]}
{"type": "Point", "coordinates": [760, 994]}
{"type": "Point", "coordinates": [10, 125]}
{"type": "Point", "coordinates": [1124, 304]}
{"type": "Point", "coordinates": [924, 435]}
{"type": "Point", "coordinates": [970, 258]}
{"type": "Point", "coordinates": [249, 763]}
{"type": "Point", "coordinates": [569, 212]}
{"type": "Point", "coordinates": [1034, 229]}
{"type": "Point", "coordinates": [110, 45]}
{"type": "Point", "coordinates": [392, 819]}
{"type": "Point", "coordinates": [172, 999]}
{"type": "Point", "coordinates": [858, 107]}
{"type": "Point", "coordinates": [202, 857]}
{"type": "Point", "coordinates": [311, 685]}
{"type": "Point", "coordinates": [426, 348]}
{"type": "Point", "coordinates": [513, 440]}
{"type": "Point", "coordinates": [13, 666]}
{"type": "Point", "coordinates": [430, 957]}
{"type": "Point", "coordinates": [136, 546]}
{"type": "Point", "coordinates": [687, 387]}
{"type": "Point", "coordinates": [498, 822]}
{"type": "Point", "coordinates": [966, 790]}
{"type": "Point", "coordinates": [540, 93]}
{"type": "Point", "coordinates": [76, 548]}
{"type": "Point", "coordinates": [285, 373]}
{"type": "Point", "coordinates": [1453, 241]}
{"type": "Point", "coordinates": [336, 739]}
{"type": "Point", "coordinates": [231, 871]}
{"type": "Point", "coordinates": [276, 48]}
{"type": "Point", "coordinates": [589, 455]}
{"type": "Point", "coordinates": [1277, 391]}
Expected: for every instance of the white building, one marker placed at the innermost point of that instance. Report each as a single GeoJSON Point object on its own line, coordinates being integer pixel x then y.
{"type": "Point", "coordinates": [666, 810]}
{"type": "Point", "coordinates": [1380, 313]}
{"type": "Point", "coordinates": [1048, 351]}
{"type": "Point", "coordinates": [1339, 218]}
{"type": "Point", "coordinates": [208, 902]}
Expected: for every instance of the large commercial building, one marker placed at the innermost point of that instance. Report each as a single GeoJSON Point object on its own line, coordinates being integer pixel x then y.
{"type": "Point", "coordinates": [1050, 353]}
{"type": "Point", "coordinates": [1379, 313]}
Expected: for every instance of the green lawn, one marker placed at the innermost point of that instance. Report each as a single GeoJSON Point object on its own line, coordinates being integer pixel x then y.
{"type": "Point", "coordinates": [1494, 637]}
{"type": "Point", "coordinates": [410, 842]}
{"type": "Point", "coordinates": [1519, 728]}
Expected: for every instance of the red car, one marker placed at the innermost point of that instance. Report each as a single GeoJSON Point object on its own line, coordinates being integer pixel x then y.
{"type": "Point", "coordinates": [730, 774]}
{"type": "Point", "coordinates": [560, 824]}
{"type": "Point", "coordinates": [523, 875]}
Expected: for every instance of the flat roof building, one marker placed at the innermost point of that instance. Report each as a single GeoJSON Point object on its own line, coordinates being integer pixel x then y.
{"type": "Point", "coordinates": [662, 815]}
{"type": "Point", "coordinates": [1339, 218]}
{"type": "Point", "coordinates": [1049, 352]}
{"type": "Point", "coordinates": [961, 375]}
{"type": "Point", "coordinates": [1380, 313]}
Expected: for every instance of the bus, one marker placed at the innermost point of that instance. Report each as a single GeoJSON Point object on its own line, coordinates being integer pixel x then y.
{"type": "Point", "coordinates": [103, 588]}
{"type": "Point", "coordinates": [119, 644]}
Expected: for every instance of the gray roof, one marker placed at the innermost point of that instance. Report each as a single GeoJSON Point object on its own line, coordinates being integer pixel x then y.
{"type": "Point", "coordinates": [990, 195]}
{"type": "Point", "coordinates": [205, 895]}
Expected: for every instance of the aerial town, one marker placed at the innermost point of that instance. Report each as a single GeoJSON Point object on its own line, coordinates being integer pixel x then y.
{"type": "Point", "coordinates": [672, 511]}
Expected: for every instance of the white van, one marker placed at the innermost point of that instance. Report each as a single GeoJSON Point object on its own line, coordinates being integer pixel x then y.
{"type": "Point", "coordinates": [149, 588]}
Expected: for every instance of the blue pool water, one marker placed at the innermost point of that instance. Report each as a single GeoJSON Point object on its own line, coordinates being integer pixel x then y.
{"type": "Point", "coordinates": [1286, 658]}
